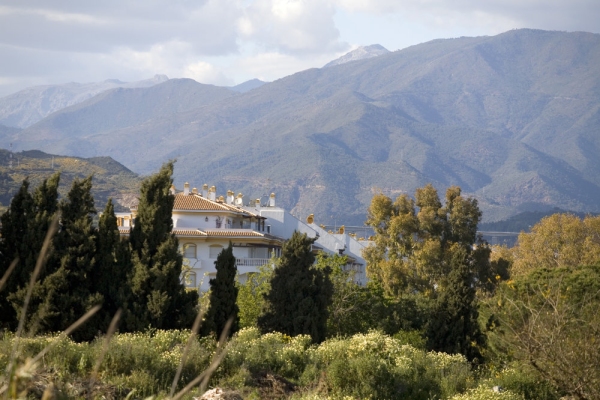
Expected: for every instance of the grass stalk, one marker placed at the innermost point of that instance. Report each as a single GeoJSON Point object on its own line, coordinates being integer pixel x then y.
{"type": "Point", "coordinates": [195, 329]}
{"type": "Point", "coordinates": [8, 272]}
{"type": "Point", "coordinates": [204, 377]}
{"type": "Point", "coordinates": [112, 328]}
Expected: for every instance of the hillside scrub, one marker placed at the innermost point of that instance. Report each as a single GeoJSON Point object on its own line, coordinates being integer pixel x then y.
{"type": "Point", "coordinates": [363, 366]}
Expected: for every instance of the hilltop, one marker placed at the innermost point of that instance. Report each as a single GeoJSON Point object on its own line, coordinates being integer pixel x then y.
{"type": "Point", "coordinates": [111, 179]}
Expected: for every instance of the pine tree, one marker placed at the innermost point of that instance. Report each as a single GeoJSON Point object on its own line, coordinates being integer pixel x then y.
{"type": "Point", "coordinates": [453, 327]}
{"type": "Point", "coordinates": [159, 298]}
{"type": "Point", "coordinates": [300, 294]}
{"type": "Point", "coordinates": [66, 292]}
{"type": "Point", "coordinates": [113, 267]}
{"type": "Point", "coordinates": [223, 295]}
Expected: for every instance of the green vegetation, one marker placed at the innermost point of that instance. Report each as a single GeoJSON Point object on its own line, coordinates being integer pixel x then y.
{"type": "Point", "coordinates": [159, 298]}
{"type": "Point", "coordinates": [110, 179]}
{"type": "Point", "coordinates": [300, 294]}
{"type": "Point", "coordinates": [59, 266]}
{"type": "Point", "coordinates": [223, 296]}
{"type": "Point", "coordinates": [308, 331]}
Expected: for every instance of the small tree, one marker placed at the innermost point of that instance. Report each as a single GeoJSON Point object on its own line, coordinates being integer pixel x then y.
{"type": "Point", "coordinates": [549, 319]}
{"type": "Point", "coordinates": [223, 295]}
{"type": "Point", "coordinates": [159, 297]}
{"type": "Point", "coordinates": [251, 295]}
{"type": "Point", "coordinates": [113, 267]}
{"type": "Point", "coordinates": [300, 294]}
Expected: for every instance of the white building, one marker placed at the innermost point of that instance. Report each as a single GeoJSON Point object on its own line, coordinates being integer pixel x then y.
{"type": "Point", "coordinates": [205, 224]}
{"type": "Point", "coordinates": [283, 224]}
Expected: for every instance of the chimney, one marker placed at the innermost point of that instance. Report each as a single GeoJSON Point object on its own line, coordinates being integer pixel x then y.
{"type": "Point", "coordinates": [205, 191]}
{"type": "Point", "coordinates": [272, 200]}
{"type": "Point", "coordinates": [229, 197]}
{"type": "Point", "coordinates": [194, 191]}
{"type": "Point", "coordinates": [172, 190]}
{"type": "Point", "coordinates": [239, 201]}
{"type": "Point", "coordinates": [186, 188]}
{"type": "Point", "coordinates": [212, 193]}
{"type": "Point", "coordinates": [257, 203]}
{"type": "Point", "coordinates": [221, 199]}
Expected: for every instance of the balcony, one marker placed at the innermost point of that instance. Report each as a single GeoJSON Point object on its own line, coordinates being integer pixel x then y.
{"type": "Point", "coordinates": [252, 262]}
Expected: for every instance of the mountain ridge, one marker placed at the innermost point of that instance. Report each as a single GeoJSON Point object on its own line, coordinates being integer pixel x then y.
{"type": "Point", "coordinates": [510, 118]}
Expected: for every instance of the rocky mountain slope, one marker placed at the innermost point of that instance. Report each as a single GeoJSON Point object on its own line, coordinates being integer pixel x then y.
{"type": "Point", "coordinates": [513, 119]}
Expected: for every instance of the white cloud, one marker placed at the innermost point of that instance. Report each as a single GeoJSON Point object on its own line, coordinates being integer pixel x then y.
{"type": "Point", "coordinates": [205, 72]}
{"type": "Point", "coordinates": [269, 66]}
{"type": "Point", "coordinates": [504, 14]}
{"type": "Point", "coordinates": [292, 26]}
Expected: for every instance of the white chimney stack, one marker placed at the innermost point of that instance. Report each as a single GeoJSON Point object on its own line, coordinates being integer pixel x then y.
{"type": "Point", "coordinates": [272, 200]}
{"type": "Point", "coordinates": [257, 203]}
{"type": "Point", "coordinates": [195, 191]}
{"type": "Point", "coordinates": [229, 197]}
{"type": "Point", "coordinates": [205, 191]}
{"type": "Point", "coordinates": [212, 193]}
{"type": "Point", "coordinates": [186, 188]}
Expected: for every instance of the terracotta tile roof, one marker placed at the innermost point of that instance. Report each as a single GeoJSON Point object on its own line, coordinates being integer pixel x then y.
{"type": "Point", "coordinates": [196, 202]}
{"type": "Point", "coordinates": [188, 232]}
{"type": "Point", "coordinates": [233, 232]}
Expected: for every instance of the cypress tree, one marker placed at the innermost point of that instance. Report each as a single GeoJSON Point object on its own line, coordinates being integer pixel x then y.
{"type": "Point", "coordinates": [66, 292]}
{"type": "Point", "coordinates": [223, 295]}
{"type": "Point", "coordinates": [453, 327]}
{"type": "Point", "coordinates": [159, 298]}
{"type": "Point", "coordinates": [300, 293]}
{"type": "Point", "coordinates": [14, 246]}
{"type": "Point", "coordinates": [24, 227]}
{"type": "Point", "coordinates": [113, 267]}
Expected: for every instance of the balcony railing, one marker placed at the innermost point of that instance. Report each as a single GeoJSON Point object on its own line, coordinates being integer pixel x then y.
{"type": "Point", "coordinates": [252, 262]}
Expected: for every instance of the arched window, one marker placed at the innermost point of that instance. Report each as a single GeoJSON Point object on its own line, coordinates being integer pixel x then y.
{"type": "Point", "coordinates": [214, 250]}
{"type": "Point", "coordinates": [189, 250]}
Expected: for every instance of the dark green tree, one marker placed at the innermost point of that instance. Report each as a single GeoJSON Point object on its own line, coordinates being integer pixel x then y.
{"type": "Point", "coordinates": [453, 327]}
{"type": "Point", "coordinates": [223, 296]}
{"type": "Point", "coordinates": [113, 269]}
{"type": "Point", "coordinates": [13, 246]}
{"type": "Point", "coordinates": [300, 294]}
{"type": "Point", "coordinates": [66, 290]}
{"type": "Point", "coordinates": [24, 229]}
{"type": "Point", "coordinates": [159, 297]}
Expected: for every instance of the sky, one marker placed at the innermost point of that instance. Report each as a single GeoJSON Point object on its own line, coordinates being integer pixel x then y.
{"type": "Point", "coordinates": [226, 42]}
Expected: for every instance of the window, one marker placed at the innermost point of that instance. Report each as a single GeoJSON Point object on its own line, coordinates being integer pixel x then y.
{"type": "Point", "coordinates": [189, 250]}
{"type": "Point", "coordinates": [190, 279]}
{"type": "Point", "coordinates": [214, 250]}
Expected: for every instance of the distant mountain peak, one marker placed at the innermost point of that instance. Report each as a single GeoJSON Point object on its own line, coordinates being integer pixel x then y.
{"type": "Point", "coordinates": [247, 86]}
{"type": "Point", "coordinates": [360, 53]}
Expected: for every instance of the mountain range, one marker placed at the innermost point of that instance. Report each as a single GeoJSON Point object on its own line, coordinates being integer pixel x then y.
{"type": "Point", "coordinates": [513, 119]}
